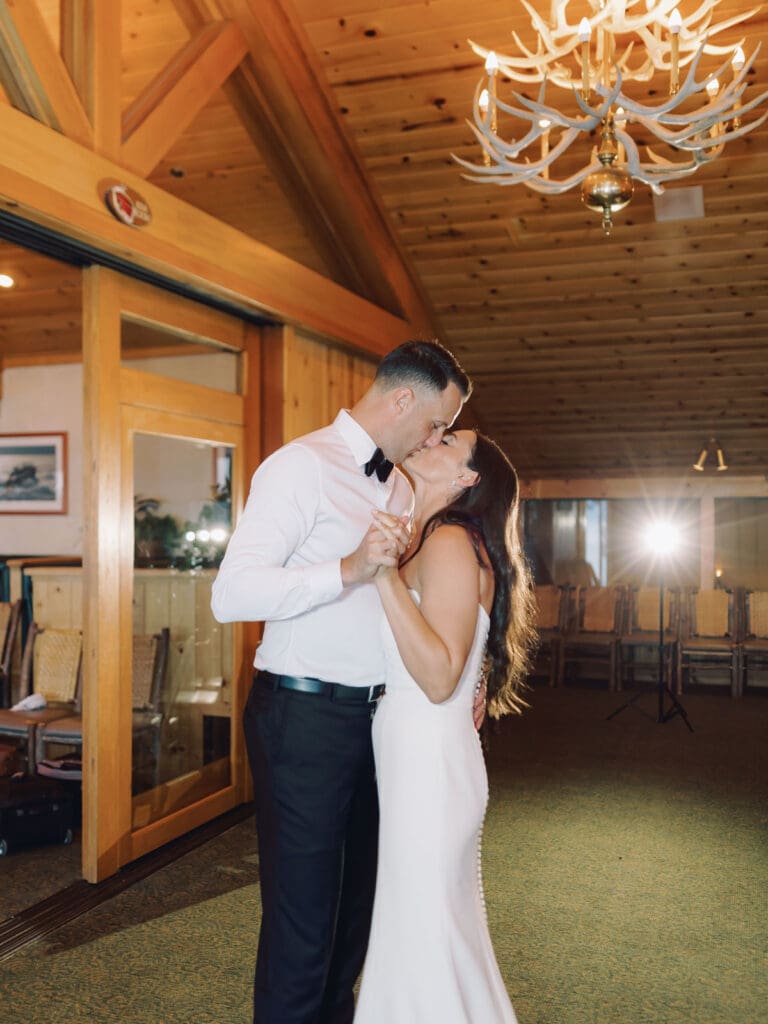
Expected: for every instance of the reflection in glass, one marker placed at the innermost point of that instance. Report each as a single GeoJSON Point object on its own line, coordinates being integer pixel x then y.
{"type": "Point", "coordinates": [588, 543]}
{"type": "Point", "coordinates": [162, 351]}
{"type": "Point", "coordinates": [741, 543]}
{"type": "Point", "coordinates": [182, 657]}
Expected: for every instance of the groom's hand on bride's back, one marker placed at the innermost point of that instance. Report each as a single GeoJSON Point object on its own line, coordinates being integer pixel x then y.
{"type": "Point", "coordinates": [381, 546]}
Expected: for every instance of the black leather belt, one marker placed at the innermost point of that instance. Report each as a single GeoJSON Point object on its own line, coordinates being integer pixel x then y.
{"type": "Point", "coordinates": [305, 684]}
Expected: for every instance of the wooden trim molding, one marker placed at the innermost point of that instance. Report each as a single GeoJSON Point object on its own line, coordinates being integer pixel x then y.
{"type": "Point", "coordinates": [52, 181]}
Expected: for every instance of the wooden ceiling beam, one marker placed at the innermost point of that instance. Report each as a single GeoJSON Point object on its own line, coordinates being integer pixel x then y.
{"type": "Point", "coordinates": [164, 110]}
{"type": "Point", "coordinates": [34, 74]}
{"type": "Point", "coordinates": [90, 38]}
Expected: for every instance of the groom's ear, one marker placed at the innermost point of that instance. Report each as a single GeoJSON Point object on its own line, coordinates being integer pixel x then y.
{"type": "Point", "coordinates": [402, 399]}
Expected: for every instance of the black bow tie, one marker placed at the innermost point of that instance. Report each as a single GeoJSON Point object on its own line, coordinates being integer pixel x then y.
{"type": "Point", "coordinates": [379, 465]}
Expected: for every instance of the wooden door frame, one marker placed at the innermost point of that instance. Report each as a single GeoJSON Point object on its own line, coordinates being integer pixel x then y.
{"type": "Point", "coordinates": [118, 402]}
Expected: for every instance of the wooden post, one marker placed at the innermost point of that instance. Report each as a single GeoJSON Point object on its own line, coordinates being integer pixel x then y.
{"type": "Point", "coordinates": [106, 716]}
{"type": "Point", "coordinates": [90, 46]}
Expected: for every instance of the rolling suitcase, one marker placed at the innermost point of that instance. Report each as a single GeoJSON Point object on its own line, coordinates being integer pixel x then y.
{"type": "Point", "coordinates": [33, 810]}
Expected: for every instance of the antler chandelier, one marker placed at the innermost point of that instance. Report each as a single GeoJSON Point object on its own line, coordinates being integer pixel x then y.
{"type": "Point", "coordinates": [621, 41]}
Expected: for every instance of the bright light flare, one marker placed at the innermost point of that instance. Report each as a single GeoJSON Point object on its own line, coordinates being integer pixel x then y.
{"type": "Point", "coordinates": [661, 537]}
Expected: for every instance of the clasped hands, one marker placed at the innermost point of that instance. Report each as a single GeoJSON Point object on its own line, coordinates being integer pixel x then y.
{"type": "Point", "coordinates": [380, 552]}
{"type": "Point", "coordinates": [380, 549]}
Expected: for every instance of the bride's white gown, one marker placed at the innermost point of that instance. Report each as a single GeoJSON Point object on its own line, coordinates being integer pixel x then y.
{"type": "Point", "coordinates": [430, 959]}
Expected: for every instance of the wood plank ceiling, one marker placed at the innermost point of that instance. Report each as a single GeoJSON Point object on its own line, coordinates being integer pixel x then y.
{"type": "Point", "coordinates": [591, 356]}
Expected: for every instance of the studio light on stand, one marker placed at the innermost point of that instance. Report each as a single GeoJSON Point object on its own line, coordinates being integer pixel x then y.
{"type": "Point", "coordinates": [661, 539]}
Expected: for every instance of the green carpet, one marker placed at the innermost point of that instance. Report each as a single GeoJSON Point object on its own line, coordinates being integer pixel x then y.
{"type": "Point", "coordinates": [626, 877]}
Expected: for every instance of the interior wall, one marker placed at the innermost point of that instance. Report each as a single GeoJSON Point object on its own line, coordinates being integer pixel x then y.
{"type": "Point", "coordinates": [320, 378]}
{"type": "Point", "coordinates": [49, 399]}
{"type": "Point", "coordinates": [46, 399]}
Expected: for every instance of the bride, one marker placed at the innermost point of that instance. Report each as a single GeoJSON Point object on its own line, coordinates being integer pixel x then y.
{"type": "Point", "coordinates": [458, 612]}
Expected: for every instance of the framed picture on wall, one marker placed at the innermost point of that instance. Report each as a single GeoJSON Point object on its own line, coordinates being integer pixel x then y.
{"type": "Point", "coordinates": [33, 474]}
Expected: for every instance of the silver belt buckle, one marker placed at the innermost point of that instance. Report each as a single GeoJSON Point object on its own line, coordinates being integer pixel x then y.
{"type": "Point", "coordinates": [371, 697]}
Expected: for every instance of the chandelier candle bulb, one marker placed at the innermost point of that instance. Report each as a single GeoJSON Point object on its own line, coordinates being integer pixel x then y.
{"type": "Point", "coordinates": [737, 62]}
{"type": "Point", "coordinates": [713, 88]}
{"type": "Point", "coordinates": [491, 68]}
{"type": "Point", "coordinates": [545, 123]}
{"type": "Point", "coordinates": [620, 122]}
{"type": "Point", "coordinates": [606, 39]}
{"type": "Point", "coordinates": [483, 104]}
{"type": "Point", "coordinates": [675, 24]}
{"type": "Point", "coordinates": [585, 31]}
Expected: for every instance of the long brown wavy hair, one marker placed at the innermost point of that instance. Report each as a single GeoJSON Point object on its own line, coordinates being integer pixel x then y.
{"type": "Point", "coordinates": [489, 512]}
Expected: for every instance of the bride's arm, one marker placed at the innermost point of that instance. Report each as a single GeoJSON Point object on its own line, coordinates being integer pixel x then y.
{"type": "Point", "coordinates": [434, 639]}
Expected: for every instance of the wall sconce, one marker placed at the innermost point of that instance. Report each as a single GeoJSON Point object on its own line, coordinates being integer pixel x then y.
{"type": "Point", "coordinates": [712, 446]}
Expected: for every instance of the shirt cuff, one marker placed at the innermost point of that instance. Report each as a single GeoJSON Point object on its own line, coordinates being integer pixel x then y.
{"type": "Point", "coordinates": [324, 581]}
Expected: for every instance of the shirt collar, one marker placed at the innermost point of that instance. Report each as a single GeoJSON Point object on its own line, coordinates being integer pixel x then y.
{"type": "Point", "coordinates": [360, 443]}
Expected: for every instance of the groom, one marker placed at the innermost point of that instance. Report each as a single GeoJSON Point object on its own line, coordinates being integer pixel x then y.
{"type": "Point", "coordinates": [301, 559]}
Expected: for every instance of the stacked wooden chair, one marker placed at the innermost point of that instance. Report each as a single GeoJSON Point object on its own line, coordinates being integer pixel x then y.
{"type": "Point", "coordinates": [593, 632]}
{"type": "Point", "coordinates": [711, 639]}
{"type": "Point", "coordinates": [753, 650]}
{"type": "Point", "coordinates": [549, 626]}
{"type": "Point", "coordinates": [639, 642]}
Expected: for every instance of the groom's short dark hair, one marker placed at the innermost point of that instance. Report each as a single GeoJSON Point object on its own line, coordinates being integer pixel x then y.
{"type": "Point", "coordinates": [427, 363]}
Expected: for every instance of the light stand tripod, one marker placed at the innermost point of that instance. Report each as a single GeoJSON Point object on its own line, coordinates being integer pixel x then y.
{"type": "Point", "coordinates": [662, 686]}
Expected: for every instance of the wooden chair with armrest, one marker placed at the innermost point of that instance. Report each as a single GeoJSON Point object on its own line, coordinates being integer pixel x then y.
{"type": "Point", "coordinates": [149, 660]}
{"type": "Point", "coordinates": [51, 669]}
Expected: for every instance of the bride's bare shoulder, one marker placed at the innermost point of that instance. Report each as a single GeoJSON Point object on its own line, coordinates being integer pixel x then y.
{"type": "Point", "coordinates": [448, 543]}
{"type": "Point", "coordinates": [445, 556]}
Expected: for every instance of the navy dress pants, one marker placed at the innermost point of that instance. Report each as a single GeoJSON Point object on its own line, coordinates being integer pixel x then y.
{"type": "Point", "coordinates": [317, 826]}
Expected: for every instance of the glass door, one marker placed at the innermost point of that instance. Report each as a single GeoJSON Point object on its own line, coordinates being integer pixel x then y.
{"type": "Point", "coordinates": [182, 674]}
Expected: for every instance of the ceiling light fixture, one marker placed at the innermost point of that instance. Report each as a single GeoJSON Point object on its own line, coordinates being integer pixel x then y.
{"type": "Point", "coordinates": [6, 281]}
{"type": "Point", "coordinates": [621, 41]}
{"type": "Point", "coordinates": [712, 446]}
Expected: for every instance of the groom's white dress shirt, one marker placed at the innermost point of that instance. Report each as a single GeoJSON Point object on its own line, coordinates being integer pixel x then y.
{"type": "Point", "coordinates": [310, 505]}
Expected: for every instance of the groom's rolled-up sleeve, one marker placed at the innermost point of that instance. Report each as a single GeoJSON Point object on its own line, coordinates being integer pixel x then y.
{"type": "Point", "coordinates": [253, 583]}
